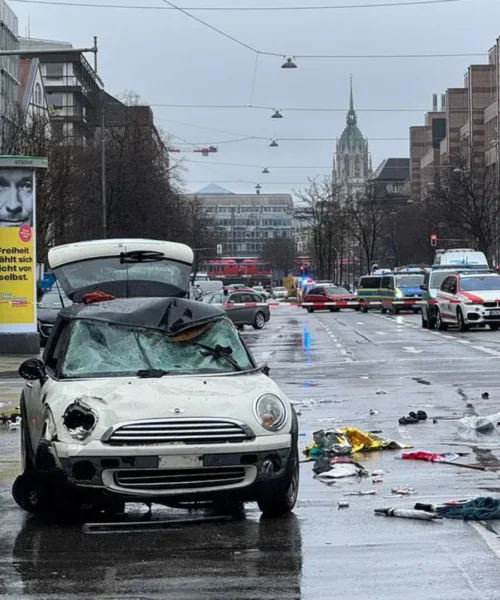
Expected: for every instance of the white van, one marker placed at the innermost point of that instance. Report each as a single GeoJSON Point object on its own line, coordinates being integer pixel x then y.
{"type": "Point", "coordinates": [466, 257]}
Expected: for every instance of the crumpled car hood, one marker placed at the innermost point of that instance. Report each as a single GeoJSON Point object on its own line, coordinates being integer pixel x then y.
{"type": "Point", "coordinates": [118, 400]}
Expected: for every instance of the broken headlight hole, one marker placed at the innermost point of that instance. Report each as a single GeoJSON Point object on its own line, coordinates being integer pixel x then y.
{"type": "Point", "coordinates": [80, 420]}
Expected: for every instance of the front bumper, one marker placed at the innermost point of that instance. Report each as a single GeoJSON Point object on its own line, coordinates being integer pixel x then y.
{"type": "Point", "coordinates": [480, 315]}
{"type": "Point", "coordinates": [175, 472]}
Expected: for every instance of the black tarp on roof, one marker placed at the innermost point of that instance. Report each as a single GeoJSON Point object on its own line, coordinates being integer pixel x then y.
{"type": "Point", "coordinates": [171, 315]}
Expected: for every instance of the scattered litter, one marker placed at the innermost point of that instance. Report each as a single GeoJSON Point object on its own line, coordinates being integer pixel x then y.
{"type": "Point", "coordinates": [413, 417]}
{"type": "Point", "coordinates": [485, 395]}
{"type": "Point", "coordinates": [403, 490]}
{"type": "Point", "coordinates": [366, 493]}
{"type": "Point", "coordinates": [302, 434]}
{"type": "Point", "coordinates": [378, 479]}
{"type": "Point", "coordinates": [341, 470]}
{"type": "Point", "coordinates": [378, 472]}
{"type": "Point", "coordinates": [364, 377]}
{"type": "Point", "coordinates": [343, 504]}
{"type": "Point", "coordinates": [429, 456]}
{"type": "Point", "coordinates": [480, 509]}
{"type": "Point", "coordinates": [407, 513]}
{"type": "Point", "coordinates": [374, 412]}
{"type": "Point", "coordinates": [326, 401]}
{"type": "Point", "coordinates": [381, 392]}
{"type": "Point", "coordinates": [347, 440]}
{"type": "Point", "coordinates": [435, 421]}
{"type": "Point", "coordinates": [408, 420]}
{"type": "Point", "coordinates": [375, 431]}
{"type": "Point", "coordinates": [15, 425]}
{"type": "Point", "coordinates": [480, 423]}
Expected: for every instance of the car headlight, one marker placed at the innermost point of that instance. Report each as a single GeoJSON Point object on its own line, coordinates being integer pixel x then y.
{"type": "Point", "coordinates": [79, 419]}
{"type": "Point", "coordinates": [270, 412]}
{"type": "Point", "coordinates": [399, 294]}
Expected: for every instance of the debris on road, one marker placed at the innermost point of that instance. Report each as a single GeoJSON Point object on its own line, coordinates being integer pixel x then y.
{"type": "Point", "coordinates": [403, 490]}
{"type": "Point", "coordinates": [361, 493]}
{"type": "Point", "coordinates": [381, 392]}
{"type": "Point", "coordinates": [343, 504]}
{"type": "Point", "coordinates": [422, 381]}
{"type": "Point", "coordinates": [374, 412]}
{"type": "Point", "coordinates": [485, 395]}
{"type": "Point", "coordinates": [378, 479]}
{"type": "Point", "coordinates": [341, 470]}
{"type": "Point", "coordinates": [481, 424]}
{"type": "Point", "coordinates": [408, 420]}
{"type": "Point", "coordinates": [429, 456]}
{"type": "Point", "coordinates": [413, 417]}
{"type": "Point", "coordinates": [479, 509]}
{"type": "Point", "coordinates": [347, 440]}
{"type": "Point", "coordinates": [407, 513]}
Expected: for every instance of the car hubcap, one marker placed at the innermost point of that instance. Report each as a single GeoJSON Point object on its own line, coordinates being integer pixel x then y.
{"type": "Point", "coordinates": [260, 320]}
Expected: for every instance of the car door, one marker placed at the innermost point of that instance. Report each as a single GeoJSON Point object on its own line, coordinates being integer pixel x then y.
{"type": "Point", "coordinates": [444, 299]}
{"type": "Point", "coordinates": [234, 312]}
{"type": "Point", "coordinates": [248, 312]}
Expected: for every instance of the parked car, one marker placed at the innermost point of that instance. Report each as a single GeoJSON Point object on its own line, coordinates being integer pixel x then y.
{"type": "Point", "coordinates": [328, 293]}
{"type": "Point", "coordinates": [257, 314]}
{"type": "Point", "coordinates": [47, 310]}
{"type": "Point", "coordinates": [148, 398]}
{"type": "Point", "coordinates": [280, 293]}
{"type": "Point", "coordinates": [259, 289]}
{"type": "Point", "coordinates": [469, 299]}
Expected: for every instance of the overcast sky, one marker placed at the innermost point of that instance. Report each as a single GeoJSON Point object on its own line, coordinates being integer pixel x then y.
{"type": "Point", "coordinates": [168, 58]}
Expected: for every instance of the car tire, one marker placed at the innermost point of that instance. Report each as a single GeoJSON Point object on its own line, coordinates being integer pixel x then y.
{"type": "Point", "coordinates": [416, 311]}
{"type": "Point", "coordinates": [334, 309]}
{"type": "Point", "coordinates": [494, 326]}
{"type": "Point", "coordinates": [310, 309]}
{"type": "Point", "coordinates": [461, 322]}
{"type": "Point", "coordinates": [439, 322]}
{"type": "Point", "coordinates": [241, 327]}
{"type": "Point", "coordinates": [259, 320]}
{"type": "Point", "coordinates": [396, 310]}
{"type": "Point", "coordinates": [282, 501]}
{"type": "Point", "coordinates": [425, 322]}
{"type": "Point", "coordinates": [362, 307]}
{"type": "Point", "coordinates": [383, 310]}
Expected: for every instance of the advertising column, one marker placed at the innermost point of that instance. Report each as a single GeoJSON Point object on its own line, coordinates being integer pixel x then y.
{"type": "Point", "coordinates": [18, 324]}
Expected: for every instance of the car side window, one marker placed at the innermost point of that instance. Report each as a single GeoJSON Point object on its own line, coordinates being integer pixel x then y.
{"type": "Point", "coordinates": [235, 298]}
{"type": "Point", "coordinates": [445, 286]}
{"type": "Point", "coordinates": [453, 285]}
{"type": "Point", "coordinates": [247, 297]}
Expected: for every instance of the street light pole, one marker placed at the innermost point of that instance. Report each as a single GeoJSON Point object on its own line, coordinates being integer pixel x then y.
{"type": "Point", "coordinates": [104, 200]}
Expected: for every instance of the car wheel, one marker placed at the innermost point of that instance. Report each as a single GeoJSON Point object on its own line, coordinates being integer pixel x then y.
{"type": "Point", "coordinates": [30, 493]}
{"type": "Point", "coordinates": [362, 307]}
{"type": "Point", "coordinates": [396, 310]}
{"type": "Point", "coordinates": [310, 309]}
{"type": "Point", "coordinates": [282, 501]}
{"type": "Point", "coordinates": [416, 311]}
{"type": "Point", "coordinates": [383, 310]}
{"type": "Point", "coordinates": [494, 326]}
{"type": "Point", "coordinates": [241, 327]}
{"type": "Point", "coordinates": [334, 309]}
{"type": "Point", "coordinates": [259, 321]}
{"type": "Point", "coordinates": [425, 322]}
{"type": "Point", "coordinates": [439, 322]}
{"type": "Point", "coordinates": [461, 322]}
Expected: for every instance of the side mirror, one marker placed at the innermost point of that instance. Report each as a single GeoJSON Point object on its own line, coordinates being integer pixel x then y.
{"type": "Point", "coordinates": [32, 369]}
{"type": "Point", "coordinates": [424, 287]}
{"type": "Point", "coordinates": [265, 369]}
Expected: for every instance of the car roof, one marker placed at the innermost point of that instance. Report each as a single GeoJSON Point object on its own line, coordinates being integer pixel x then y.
{"type": "Point", "coordinates": [477, 274]}
{"type": "Point", "coordinates": [171, 315]}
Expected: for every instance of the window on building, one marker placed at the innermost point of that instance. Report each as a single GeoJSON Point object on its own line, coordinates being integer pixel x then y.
{"type": "Point", "coordinates": [55, 99]}
{"type": "Point", "coordinates": [54, 70]}
{"type": "Point", "coordinates": [57, 129]}
{"type": "Point", "coordinates": [346, 165]}
{"type": "Point", "coordinates": [38, 94]}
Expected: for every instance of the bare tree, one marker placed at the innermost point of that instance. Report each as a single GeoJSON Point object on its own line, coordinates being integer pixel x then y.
{"type": "Point", "coordinates": [280, 253]}
{"type": "Point", "coordinates": [322, 208]}
{"type": "Point", "coordinates": [367, 216]}
{"type": "Point", "coordinates": [467, 197]}
{"type": "Point", "coordinates": [197, 231]}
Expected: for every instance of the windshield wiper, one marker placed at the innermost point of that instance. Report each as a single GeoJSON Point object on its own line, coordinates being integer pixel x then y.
{"type": "Point", "coordinates": [220, 352]}
{"type": "Point", "coordinates": [135, 256]}
{"type": "Point", "coordinates": [152, 373]}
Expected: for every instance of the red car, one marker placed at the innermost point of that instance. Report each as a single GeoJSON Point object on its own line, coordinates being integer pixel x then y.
{"type": "Point", "coordinates": [328, 293]}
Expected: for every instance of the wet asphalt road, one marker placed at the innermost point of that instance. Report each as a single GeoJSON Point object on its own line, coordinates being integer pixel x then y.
{"type": "Point", "coordinates": [334, 363]}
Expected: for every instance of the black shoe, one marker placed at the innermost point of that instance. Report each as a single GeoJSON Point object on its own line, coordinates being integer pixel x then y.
{"type": "Point", "coordinates": [409, 420]}
{"type": "Point", "coordinates": [422, 415]}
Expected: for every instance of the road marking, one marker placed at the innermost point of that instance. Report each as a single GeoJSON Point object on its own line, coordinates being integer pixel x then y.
{"type": "Point", "coordinates": [381, 333]}
{"type": "Point", "coordinates": [491, 540]}
{"type": "Point", "coordinates": [412, 349]}
{"type": "Point", "coordinates": [487, 350]}
{"type": "Point", "coordinates": [338, 345]}
{"type": "Point", "coordinates": [463, 341]}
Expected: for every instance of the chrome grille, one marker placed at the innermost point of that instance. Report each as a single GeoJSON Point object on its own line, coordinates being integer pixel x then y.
{"type": "Point", "coordinates": [180, 431]}
{"type": "Point", "coordinates": [179, 479]}
{"type": "Point", "coordinates": [490, 304]}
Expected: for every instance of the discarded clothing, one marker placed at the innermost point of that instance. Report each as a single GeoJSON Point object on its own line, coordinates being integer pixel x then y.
{"type": "Point", "coordinates": [407, 513]}
{"type": "Point", "coordinates": [347, 440]}
{"type": "Point", "coordinates": [341, 470]}
{"type": "Point", "coordinates": [480, 509]}
{"type": "Point", "coordinates": [429, 456]}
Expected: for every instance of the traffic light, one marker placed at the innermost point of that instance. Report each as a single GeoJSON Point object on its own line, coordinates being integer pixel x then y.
{"type": "Point", "coordinates": [434, 239]}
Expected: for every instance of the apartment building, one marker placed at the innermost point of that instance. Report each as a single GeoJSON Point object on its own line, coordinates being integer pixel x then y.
{"type": "Point", "coordinates": [244, 222]}
{"type": "Point", "coordinates": [9, 65]}
{"type": "Point", "coordinates": [72, 87]}
{"type": "Point", "coordinates": [466, 125]}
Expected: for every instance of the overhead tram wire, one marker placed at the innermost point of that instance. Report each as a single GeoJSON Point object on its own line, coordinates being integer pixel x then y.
{"type": "Point", "coordinates": [397, 4]}
{"type": "Point", "coordinates": [295, 109]}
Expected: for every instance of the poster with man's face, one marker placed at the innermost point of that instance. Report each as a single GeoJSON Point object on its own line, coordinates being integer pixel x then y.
{"type": "Point", "coordinates": [16, 197]}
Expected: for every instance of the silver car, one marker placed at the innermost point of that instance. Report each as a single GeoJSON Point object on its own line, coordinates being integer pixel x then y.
{"type": "Point", "coordinates": [256, 315]}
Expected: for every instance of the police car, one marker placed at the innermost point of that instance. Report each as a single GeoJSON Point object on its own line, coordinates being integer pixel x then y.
{"type": "Point", "coordinates": [468, 299]}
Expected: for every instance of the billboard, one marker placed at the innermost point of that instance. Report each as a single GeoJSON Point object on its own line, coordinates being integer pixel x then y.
{"type": "Point", "coordinates": [18, 244]}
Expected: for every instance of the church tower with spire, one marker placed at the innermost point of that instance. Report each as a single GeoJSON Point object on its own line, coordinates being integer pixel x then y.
{"type": "Point", "coordinates": [352, 165]}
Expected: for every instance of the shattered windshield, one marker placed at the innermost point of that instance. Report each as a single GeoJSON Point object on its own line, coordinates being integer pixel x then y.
{"type": "Point", "coordinates": [104, 349]}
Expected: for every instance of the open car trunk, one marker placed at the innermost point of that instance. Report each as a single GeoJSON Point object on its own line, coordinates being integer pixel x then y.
{"type": "Point", "coordinates": [125, 268]}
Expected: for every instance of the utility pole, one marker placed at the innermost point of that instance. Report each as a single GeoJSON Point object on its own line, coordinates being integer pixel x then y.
{"type": "Point", "coordinates": [104, 199]}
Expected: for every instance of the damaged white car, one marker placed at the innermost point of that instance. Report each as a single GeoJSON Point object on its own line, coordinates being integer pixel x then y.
{"type": "Point", "coordinates": [145, 396]}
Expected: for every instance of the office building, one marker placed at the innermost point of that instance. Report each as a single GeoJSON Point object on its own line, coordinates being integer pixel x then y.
{"type": "Point", "coordinates": [9, 65]}
{"type": "Point", "coordinates": [244, 222]}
